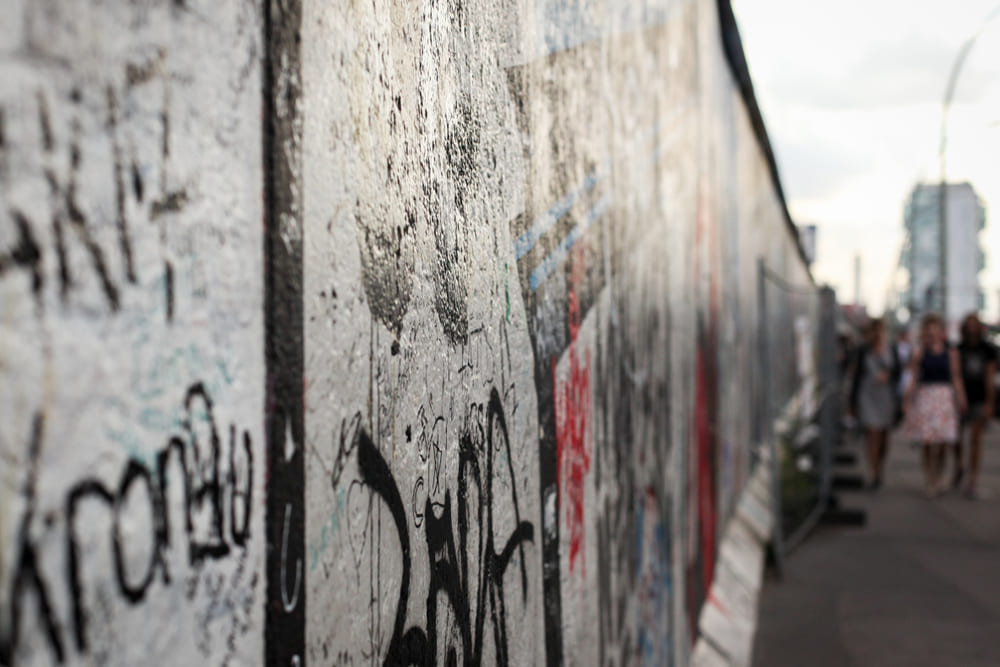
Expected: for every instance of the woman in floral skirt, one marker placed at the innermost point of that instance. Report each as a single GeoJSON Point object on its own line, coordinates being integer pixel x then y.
{"type": "Point", "coordinates": [934, 400]}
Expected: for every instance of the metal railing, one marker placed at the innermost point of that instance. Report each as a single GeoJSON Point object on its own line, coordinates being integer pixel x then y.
{"type": "Point", "coordinates": [798, 403]}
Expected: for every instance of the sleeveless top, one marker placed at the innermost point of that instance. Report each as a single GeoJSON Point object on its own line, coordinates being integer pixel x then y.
{"type": "Point", "coordinates": [936, 368]}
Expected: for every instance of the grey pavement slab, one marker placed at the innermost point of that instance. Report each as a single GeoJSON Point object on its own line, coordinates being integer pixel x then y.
{"type": "Point", "coordinates": [918, 585]}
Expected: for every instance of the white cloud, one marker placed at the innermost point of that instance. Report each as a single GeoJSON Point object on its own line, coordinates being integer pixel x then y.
{"type": "Point", "coordinates": [851, 95]}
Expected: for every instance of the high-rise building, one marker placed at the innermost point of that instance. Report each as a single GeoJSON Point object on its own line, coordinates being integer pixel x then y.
{"type": "Point", "coordinates": [965, 218]}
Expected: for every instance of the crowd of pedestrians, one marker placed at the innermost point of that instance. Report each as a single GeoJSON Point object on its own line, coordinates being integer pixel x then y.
{"type": "Point", "coordinates": [929, 392]}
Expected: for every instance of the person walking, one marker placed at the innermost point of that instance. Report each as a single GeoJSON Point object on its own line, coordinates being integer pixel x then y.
{"type": "Point", "coordinates": [934, 400]}
{"type": "Point", "coordinates": [874, 398]}
{"type": "Point", "coordinates": [979, 363]}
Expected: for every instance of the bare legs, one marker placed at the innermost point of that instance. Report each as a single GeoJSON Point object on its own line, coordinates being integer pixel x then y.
{"type": "Point", "coordinates": [975, 454]}
{"type": "Point", "coordinates": [878, 447]}
{"type": "Point", "coordinates": [959, 474]}
{"type": "Point", "coordinates": [934, 461]}
{"type": "Point", "coordinates": [941, 460]}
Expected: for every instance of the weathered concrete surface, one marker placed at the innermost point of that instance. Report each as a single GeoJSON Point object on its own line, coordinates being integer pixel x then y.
{"type": "Point", "coordinates": [131, 346]}
{"type": "Point", "coordinates": [374, 332]}
{"type": "Point", "coordinates": [916, 586]}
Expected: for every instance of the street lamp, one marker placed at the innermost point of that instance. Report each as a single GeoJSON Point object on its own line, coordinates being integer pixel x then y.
{"type": "Point", "coordinates": [949, 92]}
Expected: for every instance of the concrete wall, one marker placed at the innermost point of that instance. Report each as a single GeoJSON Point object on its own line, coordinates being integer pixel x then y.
{"type": "Point", "coordinates": [351, 333]}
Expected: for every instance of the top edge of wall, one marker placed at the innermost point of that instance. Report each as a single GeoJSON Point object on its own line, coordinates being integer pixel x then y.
{"type": "Point", "coordinates": [732, 45]}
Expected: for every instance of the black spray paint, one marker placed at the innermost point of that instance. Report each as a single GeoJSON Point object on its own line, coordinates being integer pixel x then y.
{"type": "Point", "coordinates": [74, 225]}
{"type": "Point", "coordinates": [185, 460]}
{"type": "Point", "coordinates": [284, 625]}
{"type": "Point", "coordinates": [450, 572]}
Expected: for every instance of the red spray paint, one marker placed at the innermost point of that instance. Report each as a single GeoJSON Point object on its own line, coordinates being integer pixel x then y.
{"type": "Point", "coordinates": [572, 408]}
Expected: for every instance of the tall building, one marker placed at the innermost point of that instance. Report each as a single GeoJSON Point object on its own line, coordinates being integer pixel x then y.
{"type": "Point", "coordinates": [965, 217]}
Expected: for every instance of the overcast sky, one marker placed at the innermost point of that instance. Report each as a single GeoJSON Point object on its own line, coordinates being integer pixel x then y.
{"type": "Point", "coordinates": [851, 95]}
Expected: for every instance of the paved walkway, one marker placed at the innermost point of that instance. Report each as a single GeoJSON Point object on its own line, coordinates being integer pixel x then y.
{"type": "Point", "coordinates": [919, 585]}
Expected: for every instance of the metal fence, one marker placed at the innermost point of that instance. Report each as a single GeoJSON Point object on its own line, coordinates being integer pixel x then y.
{"type": "Point", "coordinates": [798, 403]}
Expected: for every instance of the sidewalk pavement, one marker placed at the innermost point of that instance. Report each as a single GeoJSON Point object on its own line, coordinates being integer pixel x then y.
{"type": "Point", "coordinates": [919, 585]}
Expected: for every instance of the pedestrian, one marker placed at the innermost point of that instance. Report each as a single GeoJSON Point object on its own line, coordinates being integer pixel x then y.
{"type": "Point", "coordinates": [934, 400]}
{"type": "Point", "coordinates": [874, 399]}
{"type": "Point", "coordinates": [979, 362]}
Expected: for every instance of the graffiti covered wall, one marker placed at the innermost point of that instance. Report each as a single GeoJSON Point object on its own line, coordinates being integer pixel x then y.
{"type": "Point", "coordinates": [374, 332]}
{"type": "Point", "coordinates": [131, 332]}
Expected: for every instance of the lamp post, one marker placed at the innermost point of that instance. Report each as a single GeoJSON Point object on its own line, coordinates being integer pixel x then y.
{"type": "Point", "coordinates": [949, 92]}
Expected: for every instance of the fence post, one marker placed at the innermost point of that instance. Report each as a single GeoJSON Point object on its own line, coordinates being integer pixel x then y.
{"type": "Point", "coordinates": [767, 413]}
{"type": "Point", "coordinates": [831, 390]}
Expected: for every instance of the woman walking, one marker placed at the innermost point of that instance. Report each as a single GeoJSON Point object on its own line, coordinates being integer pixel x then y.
{"type": "Point", "coordinates": [873, 395]}
{"type": "Point", "coordinates": [978, 359]}
{"type": "Point", "coordinates": [934, 400]}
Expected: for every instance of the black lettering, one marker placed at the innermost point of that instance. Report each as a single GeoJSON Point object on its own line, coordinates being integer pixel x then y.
{"type": "Point", "coordinates": [208, 489]}
{"type": "Point", "coordinates": [26, 576]}
{"type": "Point", "coordinates": [81, 491]}
{"type": "Point", "coordinates": [26, 255]}
{"type": "Point", "coordinates": [203, 489]}
{"type": "Point", "coordinates": [449, 570]}
{"type": "Point", "coordinates": [240, 530]}
{"type": "Point", "coordinates": [136, 472]}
